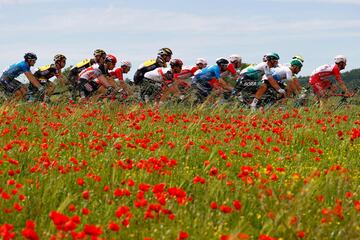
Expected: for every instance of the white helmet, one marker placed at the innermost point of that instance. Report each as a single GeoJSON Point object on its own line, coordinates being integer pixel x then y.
{"type": "Point", "coordinates": [234, 58]}
{"type": "Point", "coordinates": [126, 63]}
{"type": "Point", "coordinates": [340, 58]}
{"type": "Point", "coordinates": [202, 61]}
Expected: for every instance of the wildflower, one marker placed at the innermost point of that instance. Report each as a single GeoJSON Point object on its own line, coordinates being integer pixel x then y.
{"type": "Point", "coordinates": [213, 205]}
{"type": "Point", "coordinates": [213, 171]}
{"type": "Point", "coordinates": [113, 227]}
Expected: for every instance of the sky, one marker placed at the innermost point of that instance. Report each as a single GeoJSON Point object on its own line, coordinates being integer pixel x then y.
{"type": "Point", "coordinates": [134, 30]}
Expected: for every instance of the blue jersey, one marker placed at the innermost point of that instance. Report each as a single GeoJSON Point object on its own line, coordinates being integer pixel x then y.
{"type": "Point", "coordinates": [16, 69]}
{"type": "Point", "coordinates": [208, 73]}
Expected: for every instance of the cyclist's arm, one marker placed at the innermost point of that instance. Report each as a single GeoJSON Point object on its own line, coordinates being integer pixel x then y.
{"type": "Point", "coordinates": [342, 84]}
{"type": "Point", "coordinates": [32, 79]}
{"type": "Point", "coordinates": [273, 82]}
{"type": "Point", "coordinates": [224, 84]}
{"type": "Point", "coordinates": [102, 79]}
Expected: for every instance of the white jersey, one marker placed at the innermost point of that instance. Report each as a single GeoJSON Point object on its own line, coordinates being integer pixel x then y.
{"type": "Point", "coordinates": [256, 72]}
{"type": "Point", "coordinates": [282, 73]}
{"type": "Point", "coordinates": [91, 73]}
{"type": "Point", "coordinates": [159, 74]}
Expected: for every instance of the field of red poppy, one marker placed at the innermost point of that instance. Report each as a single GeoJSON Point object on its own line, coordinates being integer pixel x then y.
{"type": "Point", "coordinates": [116, 172]}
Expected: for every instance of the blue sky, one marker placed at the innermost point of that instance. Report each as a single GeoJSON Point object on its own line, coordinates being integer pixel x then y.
{"type": "Point", "coordinates": [135, 30]}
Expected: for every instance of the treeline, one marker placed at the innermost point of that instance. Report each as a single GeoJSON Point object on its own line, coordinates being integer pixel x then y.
{"type": "Point", "coordinates": [351, 78]}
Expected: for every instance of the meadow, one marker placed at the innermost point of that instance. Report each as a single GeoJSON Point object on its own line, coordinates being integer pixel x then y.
{"type": "Point", "coordinates": [112, 171]}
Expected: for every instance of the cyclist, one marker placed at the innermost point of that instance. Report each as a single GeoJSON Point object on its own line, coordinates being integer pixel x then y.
{"type": "Point", "coordinates": [189, 71]}
{"type": "Point", "coordinates": [44, 74]}
{"type": "Point", "coordinates": [118, 73]}
{"type": "Point", "coordinates": [14, 88]}
{"type": "Point", "coordinates": [125, 67]}
{"type": "Point", "coordinates": [94, 77]}
{"type": "Point", "coordinates": [73, 78]}
{"type": "Point", "coordinates": [159, 83]}
{"type": "Point", "coordinates": [320, 79]}
{"type": "Point", "coordinates": [163, 56]}
{"type": "Point", "coordinates": [285, 74]}
{"type": "Point", "coordinates": [210, 77]}
{"type": "Point", "coordinates": [183, 79]}
{"type": "Point", "coordinates": [201, 63]}
{"type": "Point", "coordinates": [255, 75]}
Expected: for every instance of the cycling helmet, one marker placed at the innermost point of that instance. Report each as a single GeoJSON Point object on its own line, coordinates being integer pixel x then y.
{"type": "Point", "coordinates": [165, 51]}
{"type": "Point", "coordinates": [59, 57]}
{"type": "Point", "coordinates": [296, 62]}
{"type": "Point", "coordinates": [202, 61]}
{"type": "Point", "coordinates": [264, 58]}
{"type": "Point", "coordinates": [298, 57]}
{"type": "Point", "coordinates": [340, 58]}
{"type": "Point", "coordinates": [30, 56]}
{"type": "Point", "coordinates": [111, 58]}
{"type": "Point", "coordinates": [272, 56]}
{"type": "Point", "coordinates": [176, 62]}
{"type": "Point", "coordinates": [222, 62]}
{"type": "Point", "coordinates": [98, 52]}
{"type": "Point", "coordinates": [234, 58]}
{"type": "Point", "coordinates": [126, 63]}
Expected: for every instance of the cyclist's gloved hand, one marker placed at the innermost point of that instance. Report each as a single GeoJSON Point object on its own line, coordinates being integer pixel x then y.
{"type": "Point", "coordinates": [109, 90]}
{"type": "Point", "coordinates": [281, 91]}
{"type": "Point", "coordinates": [41, 89]}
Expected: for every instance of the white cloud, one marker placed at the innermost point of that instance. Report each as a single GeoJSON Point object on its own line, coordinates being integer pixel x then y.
{"type": "Point", "coordinates": [154, 22]}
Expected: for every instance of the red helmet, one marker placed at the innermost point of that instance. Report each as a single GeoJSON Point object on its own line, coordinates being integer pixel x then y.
{"type": "Point", "coordinates": [111, 58]}
{"type": "Point", "coordinates": [176, 62]}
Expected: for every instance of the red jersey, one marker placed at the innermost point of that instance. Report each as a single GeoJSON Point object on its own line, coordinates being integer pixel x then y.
{"type": "Point", "coordinates": [117, 73]}
{"type": "Point", "coordinates": [324, 72]}
{"type": "Point", "coordinates": [186, 72]}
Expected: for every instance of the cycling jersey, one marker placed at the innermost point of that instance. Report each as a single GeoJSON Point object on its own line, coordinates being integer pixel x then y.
{"type": "Point", "coordinates": [147, 67]}
{"type": "Point", "coordinates": [323, 73]}
{"type": "Point", "coordinates": [186, 72]}
{"type": "Point", "coordinates": [75, 70]}
{"type": "Point", "coordinates": [230, 70]}
{"type": "Point", "coordinates": [256, 72]}
{"type": "Point", "coordinates": [160, 75]}
{"type": "Point", "coordinates": [282, 74]}
{"type": "Point", "coordinates": [93, 72]}
{"type": "Point", "coordinates": [15, 70]}
{"type": "Point", "coordinates": [117, 73]}
{"type": "Point", "coordinates": [44, 73]}
{"type": "Point", "coordinates": [207, 74]}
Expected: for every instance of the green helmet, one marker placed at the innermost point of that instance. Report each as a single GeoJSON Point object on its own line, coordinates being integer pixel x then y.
{"type": "Point", "coordinates": [298, 57]}
{"type": "Point", "coordinates": [272, 56]}
{"type": "Point", "coordinates": [296, 62]}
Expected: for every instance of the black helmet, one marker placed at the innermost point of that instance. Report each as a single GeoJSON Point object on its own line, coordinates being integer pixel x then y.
{"type": "Point", "coordinates": [30, 56]}
{"type": "Point", "coordinates": [222, 62]}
